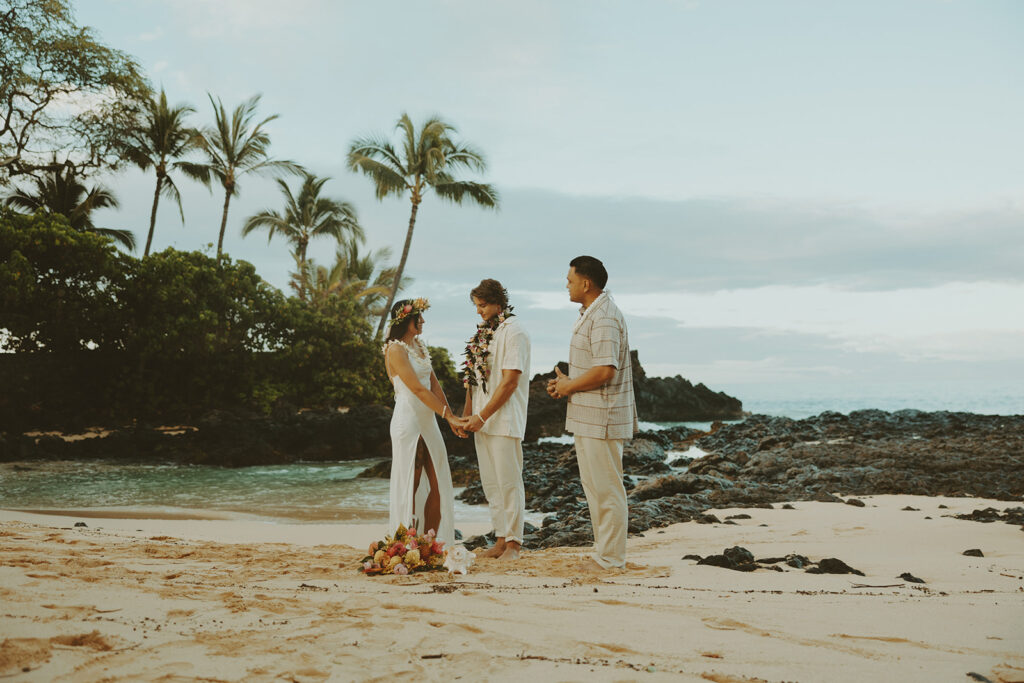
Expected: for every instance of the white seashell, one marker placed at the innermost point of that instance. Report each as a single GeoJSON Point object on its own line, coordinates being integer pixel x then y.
{"type": "Point", "coordinates": [458, 560]}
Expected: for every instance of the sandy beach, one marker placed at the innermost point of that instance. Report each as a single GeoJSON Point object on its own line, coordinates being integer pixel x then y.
{"type": "Point", "coordinates": [125, 599]}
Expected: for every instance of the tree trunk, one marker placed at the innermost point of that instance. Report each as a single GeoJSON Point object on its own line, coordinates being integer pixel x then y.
{"type": "Point", "coordinates": [401, 269]}
{"type": "Point", "coordinates": [223, 222]}
{"type": "Point", "coordinates": [152, 216]}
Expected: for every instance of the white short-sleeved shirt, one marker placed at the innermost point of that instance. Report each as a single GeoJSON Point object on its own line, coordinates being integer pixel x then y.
{"type": "Point", "coordinates": [600, 338]}
{"type": "Point", "coordinates": [510, 350]}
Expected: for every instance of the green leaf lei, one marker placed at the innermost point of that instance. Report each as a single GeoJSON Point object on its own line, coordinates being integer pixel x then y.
{"type": "Point", "coordinates": [479, 347]}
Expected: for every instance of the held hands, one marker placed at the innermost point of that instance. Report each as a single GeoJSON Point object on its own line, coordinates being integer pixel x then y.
{"type": "Point", "coordinates": [474, 423]}
{"type": "Point", "coordinates": [559, 386]}
{"type": "Point", "coordinates": [458, 425]}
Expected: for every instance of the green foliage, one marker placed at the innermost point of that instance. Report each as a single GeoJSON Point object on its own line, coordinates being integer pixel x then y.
{"type": "Point", "coordinates": [447, 375]}
{"type": "Point", "coordinates": [57, 285]}
{"type": "Point", "coordinates": [328, 354]}
{"type": "Point", "coordinates": [306, 216]}
{"type": "Point", "coordinates": [172, 336]}
{"type": "Point", "coordinates": [186, 303]}
{"type": "Point", "coordinates": [59, 190]}
{"type": "Point", "coordinates": [47, 63]}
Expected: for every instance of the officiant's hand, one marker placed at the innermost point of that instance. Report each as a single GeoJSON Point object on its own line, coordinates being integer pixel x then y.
{"type": "Point", "coordinates": [559, 386]}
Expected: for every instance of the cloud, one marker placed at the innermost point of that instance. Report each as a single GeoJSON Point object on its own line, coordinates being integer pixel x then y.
{"type": "Point", "coordinates": [714, 244]}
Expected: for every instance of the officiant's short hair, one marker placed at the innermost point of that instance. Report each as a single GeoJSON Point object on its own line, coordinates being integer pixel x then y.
{"type": "Point", "coordinates": [490, 292]}
{"type": "Point", "coordinates": [590, 268]}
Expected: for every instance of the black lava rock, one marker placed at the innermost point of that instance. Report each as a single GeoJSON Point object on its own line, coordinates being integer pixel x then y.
{"type": "Point", "coordinates": [832, 565]}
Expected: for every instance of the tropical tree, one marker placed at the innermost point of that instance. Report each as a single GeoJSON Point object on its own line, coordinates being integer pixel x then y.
{"type": "Point", "coordinates": [162, 136]}
{"type": "Point", "coordinates": [306, 216]}
{"type": "Point", "coordinates": [428, 160]}
{"type": "Point", "coordinates": [61, 191]}
{"type": "Point", "coordinates": [316, 284]}
{"type": "Point", "coordinates": [61, 90]}
{"type": "Point", "coordinates": [371, 268]}
{"type": "Point", "coordinates": [235, 146]}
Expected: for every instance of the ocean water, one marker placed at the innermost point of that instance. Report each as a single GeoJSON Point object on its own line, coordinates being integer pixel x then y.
{"type": "Point", "coordinates": [800, 401]}
{"type": "Point", "coordinates": [297, 492]}
{"type": "Point", "coordinates": [320, 492]}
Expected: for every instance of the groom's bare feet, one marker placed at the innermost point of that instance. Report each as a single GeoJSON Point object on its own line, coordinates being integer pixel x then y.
{"type": "Point", "coordinates": [589, 566]}
{"type": "Point", "coordinates": [511, 552]}
{"type": "Point", "coordinates": [495, 550]}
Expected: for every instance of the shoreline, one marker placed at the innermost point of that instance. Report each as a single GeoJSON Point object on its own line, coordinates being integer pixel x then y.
{"type": "Point", "coordinates": [236, 600]}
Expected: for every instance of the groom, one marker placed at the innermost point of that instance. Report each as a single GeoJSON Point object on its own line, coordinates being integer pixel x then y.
{"type": "Point", "coordinates": [497, 389]}
{"type": "Point", "coordinates": [602, 410]}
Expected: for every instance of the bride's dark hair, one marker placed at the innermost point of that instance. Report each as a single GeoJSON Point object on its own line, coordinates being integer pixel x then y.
{"type": "Point", "coordinates": [398, 331]}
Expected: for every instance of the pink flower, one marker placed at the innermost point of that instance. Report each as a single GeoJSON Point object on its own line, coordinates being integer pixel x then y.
{"type": "Point", "coordinates": [407, 308]}
{"type": "Point", "coordinates": [413, 545]}
{"type": "Point", "coordinates": [437, 547]}
{"type": "Point", "coordinates": [396, 549]}
{"type": "Point", "coordinates": [401, 569]}
{"type": "Point", "coordinates": [412, 532]}
{"type": "Point", "coordinates": [368, 565]}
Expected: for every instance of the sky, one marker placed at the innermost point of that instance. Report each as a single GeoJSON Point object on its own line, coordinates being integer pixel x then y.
{"type": "Point", "coordinates": [792, 198]}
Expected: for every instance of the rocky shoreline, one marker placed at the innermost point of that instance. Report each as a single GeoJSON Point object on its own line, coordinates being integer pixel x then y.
{"type": "Point", "coordinates": [768, 460]}
{"type": "Point", "coordinates": [758, 462]}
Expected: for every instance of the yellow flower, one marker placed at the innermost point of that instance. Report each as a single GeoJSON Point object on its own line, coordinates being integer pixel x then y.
{"type": "Point", "coordinates": [412, 559]}
{"type": "Point", "coordinates": [394, 562]}
{"type": "Point", "coordinates": [378, 557]}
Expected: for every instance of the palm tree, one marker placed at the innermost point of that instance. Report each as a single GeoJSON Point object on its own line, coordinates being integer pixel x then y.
{"type": "Point", "coordinates": [60, 191]}
{"type": "Point", "coordinates": [372, 268]}
{"type": "Point", "coordinates": [161, 137]}
{"type": "Point", "coordinates": [306, 216]}
{"type": "Point", "coordinates": [351, 276]}
{"type": "Point", "coordinates": [235, 146]}
{"type": "Point", "coordinates": [427, 161]}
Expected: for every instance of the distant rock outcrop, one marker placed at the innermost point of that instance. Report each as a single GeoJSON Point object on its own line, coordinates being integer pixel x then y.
{"type": "Point", "coordinates": [658, 399]}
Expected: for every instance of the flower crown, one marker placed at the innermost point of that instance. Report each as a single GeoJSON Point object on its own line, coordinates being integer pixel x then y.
{"type": "Point", "coordinates": [415, 308]}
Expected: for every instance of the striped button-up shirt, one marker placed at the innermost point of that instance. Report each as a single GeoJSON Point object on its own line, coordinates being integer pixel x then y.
{"type": "Point", "coordinates": [600, 338]}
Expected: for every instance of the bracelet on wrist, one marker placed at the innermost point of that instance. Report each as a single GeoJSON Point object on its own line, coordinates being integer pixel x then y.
{"type": "Point", "coordinates": [443, 411]}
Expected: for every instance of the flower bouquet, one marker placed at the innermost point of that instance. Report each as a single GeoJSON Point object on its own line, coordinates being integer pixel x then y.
{"type": "Point", "coordinates": [405, 552]}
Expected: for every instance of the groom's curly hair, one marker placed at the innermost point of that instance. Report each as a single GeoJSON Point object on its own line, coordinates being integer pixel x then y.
{"type": "Point", "coordinates": [490, 292]}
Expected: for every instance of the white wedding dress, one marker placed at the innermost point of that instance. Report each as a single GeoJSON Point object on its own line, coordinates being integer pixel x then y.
{"type": "Point", "coordinates": [411, 420]}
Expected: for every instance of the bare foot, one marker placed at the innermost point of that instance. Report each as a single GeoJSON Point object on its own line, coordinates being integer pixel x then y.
{"type": "Point", "coordinates": [494, 551]}
{"type": "Point", "coordinates": [589, 566]}
{"type": "Point", "coordinates": [511, 552]}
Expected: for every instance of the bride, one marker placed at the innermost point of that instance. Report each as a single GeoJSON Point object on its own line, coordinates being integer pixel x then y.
{"type": "Point", "coordinates": [418, 397]}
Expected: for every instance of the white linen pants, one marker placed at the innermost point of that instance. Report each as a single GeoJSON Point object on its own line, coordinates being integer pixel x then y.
{"type": "Point", "coordinates": [501, 473]}
{"type": "Point", "coordinates": [600, 463]}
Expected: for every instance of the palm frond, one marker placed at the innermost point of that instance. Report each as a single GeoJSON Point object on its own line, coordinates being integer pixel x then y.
{"type": "Point", "coordinates": [386, 179]}
{"type": "Point", "coordinates": [456, 190]}
{"type": "Point", "coordinates": [169, 189]}
{"type": "Point", "coordinates": [125, 238]}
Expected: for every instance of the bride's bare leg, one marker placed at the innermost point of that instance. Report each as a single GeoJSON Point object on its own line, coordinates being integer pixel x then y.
{"type": "Point", "coordinates": [432, 508]}
{"type": "Point", "coordinates": [421, 457]}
